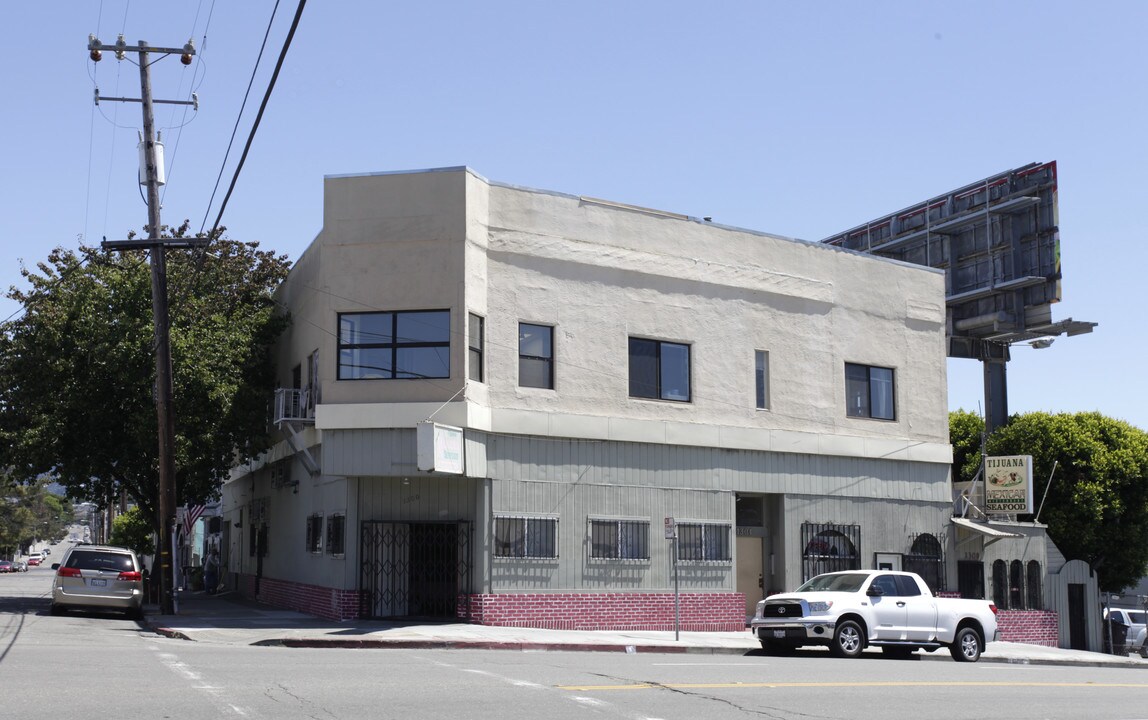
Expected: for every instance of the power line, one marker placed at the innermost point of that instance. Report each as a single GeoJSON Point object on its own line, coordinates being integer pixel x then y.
{"type": "Point", "coordinates": [239, 116]}
{"type": "Point", "coordinates": [259, 116]}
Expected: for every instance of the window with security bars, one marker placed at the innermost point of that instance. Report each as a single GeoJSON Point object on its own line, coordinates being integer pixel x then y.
{"type": "Point", "coordinates": [829, 548]}
{"type": "Point", "coordinates": [315, 534]}
{"type": "Point", "coordinates": [971, 579]}
{"type": "Point", "coordinates": [927, 559]}
{"type": "Point", "coordinates": [704, 542]}
{"type": "Point", "coordinates": [1000, 584]}
{"type": "Point", "coordinates": [1016, 596]}
{"type": "Point", "coordinates": [526, 537]}
{"type": "Point", "coordinates": [620, 539]}
{"type": "Point", "coordinates": [1035, 586]}
{"type": "Point", "coordinates": [336, 535]}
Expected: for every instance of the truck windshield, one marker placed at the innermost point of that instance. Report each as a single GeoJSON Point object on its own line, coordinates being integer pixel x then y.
{"type": "Point", "coordinates": [843, 582]}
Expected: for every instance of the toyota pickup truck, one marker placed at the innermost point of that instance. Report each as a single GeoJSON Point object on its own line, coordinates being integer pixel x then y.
{"type": "Point", "coordinates": [896, 611]}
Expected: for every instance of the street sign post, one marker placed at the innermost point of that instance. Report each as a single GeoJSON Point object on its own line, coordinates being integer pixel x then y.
{"type": "Point", "coordinates": [672, 534]}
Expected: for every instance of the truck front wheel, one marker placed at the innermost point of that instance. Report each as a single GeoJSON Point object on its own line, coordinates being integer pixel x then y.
{"type": "Point", "coordinates": [966, 645]}
{"type": "Point", "coordinates": [848, 639]}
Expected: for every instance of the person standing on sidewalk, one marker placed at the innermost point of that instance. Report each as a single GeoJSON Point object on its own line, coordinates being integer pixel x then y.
{"type": "Point", "coordinates": [211, 572]}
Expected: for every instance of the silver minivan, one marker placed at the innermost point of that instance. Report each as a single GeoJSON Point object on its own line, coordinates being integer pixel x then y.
{"type": "Point", "coordinates": [98, 577]}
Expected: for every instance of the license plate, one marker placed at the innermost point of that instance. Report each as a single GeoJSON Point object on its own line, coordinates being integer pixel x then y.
{"type": "Point", "coordinates": [779, 633]}
{"type": "Point", "coordinates": [98, 582]}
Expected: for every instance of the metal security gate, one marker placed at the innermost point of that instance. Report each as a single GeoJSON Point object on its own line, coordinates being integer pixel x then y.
{"type": "Point", "coordinates": [415, 569]}
{"type": "Point", "coordinates": [926, 557]}
{"type": "Point", "coordinates": [828, 548]}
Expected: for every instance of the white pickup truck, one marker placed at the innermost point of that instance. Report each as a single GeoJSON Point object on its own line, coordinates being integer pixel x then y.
{"type": "Point", "coordinates": [896, 611]}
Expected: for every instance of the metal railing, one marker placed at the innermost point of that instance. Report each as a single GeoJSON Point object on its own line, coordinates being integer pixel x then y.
{"type": "Point", "coordinates": [294, 405]}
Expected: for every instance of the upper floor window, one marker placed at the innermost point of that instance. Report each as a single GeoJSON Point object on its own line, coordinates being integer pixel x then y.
{"type": "Point", "coordinates": [761, 378]}
{"type": "Point", "coordinates": [869, 392]}
{"type": "Point", "coordinates": [620, 539]}
{"type": "Point", "coordinates": [477, 342]}
{"type": "Point", "coordinates": [394, 345]}
{"type": "Point", "coordinates": [659, 370]}
{"type": "Point", "coordinates": [535, 356]}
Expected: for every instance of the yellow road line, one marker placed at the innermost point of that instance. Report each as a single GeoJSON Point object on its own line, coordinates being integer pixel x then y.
{"type": "Point", "coordinates": [873, 684]}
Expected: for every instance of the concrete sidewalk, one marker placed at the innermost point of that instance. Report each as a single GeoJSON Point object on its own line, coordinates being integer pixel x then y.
{"type": "Point", "coordinates": [230, 620]}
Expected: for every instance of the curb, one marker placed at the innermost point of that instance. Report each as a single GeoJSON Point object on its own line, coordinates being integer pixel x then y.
{"type": "Point", "coordinates": [519, 646]}
{"type": "Point", "coordinates": [496, 645]}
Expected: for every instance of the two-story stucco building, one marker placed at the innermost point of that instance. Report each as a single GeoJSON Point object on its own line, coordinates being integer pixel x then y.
{"type": "Point", "coordinates": [585, 374]}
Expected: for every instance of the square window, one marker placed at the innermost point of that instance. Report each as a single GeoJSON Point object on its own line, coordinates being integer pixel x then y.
{"type": "Point", "coordinates": [869, 392]}
{"type": "Point", "coordinates": [659, 370]}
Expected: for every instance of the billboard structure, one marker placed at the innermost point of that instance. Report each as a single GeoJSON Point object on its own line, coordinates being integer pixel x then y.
{"type": "Point", "coordinates": [998, 241]}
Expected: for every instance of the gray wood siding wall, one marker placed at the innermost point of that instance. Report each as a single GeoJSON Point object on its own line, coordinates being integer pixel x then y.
{"type": "Point", "coordinates": [675, 466]}
{"type": "Point", "coordinates": [502, 457]}
{"type": "Point", "coordinates": [886, 527]}
{"type": "Point", "coordinates": [575, 504]}
{"type": "Point", "coordinates": [573, 481]}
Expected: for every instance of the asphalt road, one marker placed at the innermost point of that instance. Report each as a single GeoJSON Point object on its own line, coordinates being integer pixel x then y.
{"type": "Point", "coordinates": [100, 666]}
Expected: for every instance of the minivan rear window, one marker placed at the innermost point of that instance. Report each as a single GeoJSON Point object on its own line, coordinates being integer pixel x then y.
{"type": "Point", "coordinates": [99, 560]}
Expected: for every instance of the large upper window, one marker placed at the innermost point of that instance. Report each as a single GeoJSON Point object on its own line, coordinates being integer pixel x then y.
{"type": "Point", "coordinates": [869, 392]}
{"type": "Point", "coordinates": [535, 356]}
{"type": "Point", "coordinates": [394, 345]}
{"type": "Point", "coordinates": [659, 370]}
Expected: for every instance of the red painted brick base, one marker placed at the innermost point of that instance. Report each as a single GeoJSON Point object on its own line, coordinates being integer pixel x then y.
{"type": "Point", "coordinates": [312, 599]}
{"type": "Point", "coordinates": [1035, 627]}
{"type": "Point", "coordinates": [700, 612]}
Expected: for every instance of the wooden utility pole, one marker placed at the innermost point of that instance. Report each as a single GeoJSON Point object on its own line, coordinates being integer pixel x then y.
{"type": "Point", "coordinates": [156, 247]}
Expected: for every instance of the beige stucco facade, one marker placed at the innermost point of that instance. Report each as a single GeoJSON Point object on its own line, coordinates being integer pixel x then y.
{"type": "Point", "coordinates": [600, 273]}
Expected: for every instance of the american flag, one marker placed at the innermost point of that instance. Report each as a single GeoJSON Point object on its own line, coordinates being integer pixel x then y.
{"type": "Point", "coordinates": [190, 515]}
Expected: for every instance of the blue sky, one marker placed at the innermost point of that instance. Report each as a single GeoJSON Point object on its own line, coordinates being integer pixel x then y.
{"type": "Point", "coordinates": [800, 119]}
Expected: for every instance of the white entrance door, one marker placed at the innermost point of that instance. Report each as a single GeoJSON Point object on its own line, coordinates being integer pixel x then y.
{"type": "Point", "coordinates": [749, 571]}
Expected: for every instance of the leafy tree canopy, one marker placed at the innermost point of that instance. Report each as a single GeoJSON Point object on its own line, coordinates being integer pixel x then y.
{"type": "Point", "coordinates": [30, 512]}
{"type": "Point", "coordinates": [132, 529]}
{"type": "Point", "coordinates": [78, 368]}
{"type": "Point", "coordinates": [1097, 505]}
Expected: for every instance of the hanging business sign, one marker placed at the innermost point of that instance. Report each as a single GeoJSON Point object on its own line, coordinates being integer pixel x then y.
{"type": "Point", "coordinates": [439, 448]}
{"type": "Point", "coordinates": [1008, 484]}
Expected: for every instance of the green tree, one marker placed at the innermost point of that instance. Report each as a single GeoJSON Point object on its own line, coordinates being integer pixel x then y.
{"type": "Point", "coordinates": [1097, 504]}
{"type": "Point", "coordinates": [31, 513]}
{"type": "Point", "coordinates": [78, 366]}
{"type": "Point", "coordinates": [16, 518]}
{"type": "Point", "coordinates": [133, 529]}
{"type": "Point", "coordinates": [965, 429]}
